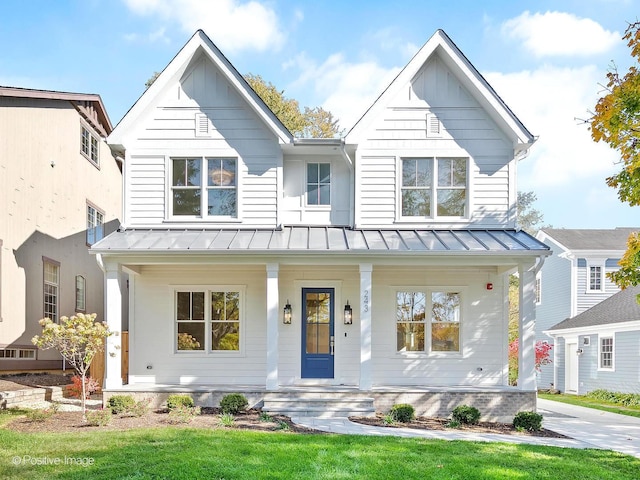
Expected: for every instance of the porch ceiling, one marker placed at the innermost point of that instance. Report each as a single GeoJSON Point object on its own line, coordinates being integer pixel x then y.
{"type": "Point", "coordinates": [306, 240]}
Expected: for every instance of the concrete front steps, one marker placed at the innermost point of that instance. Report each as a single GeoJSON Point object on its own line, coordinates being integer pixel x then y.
{"type": "Point", "coordinates": [321, 404]}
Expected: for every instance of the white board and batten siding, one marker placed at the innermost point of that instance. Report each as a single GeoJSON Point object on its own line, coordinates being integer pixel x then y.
{"type": "Point", "coordinates": [435, 116]}
{"type": "Point", "coordinates": [201, 115]}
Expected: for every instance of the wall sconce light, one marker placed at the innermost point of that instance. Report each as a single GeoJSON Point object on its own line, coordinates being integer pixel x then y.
{"type": "Point", "coordinates": [348, 314]}
{"type": "Point", "coordinates": [286, 318]}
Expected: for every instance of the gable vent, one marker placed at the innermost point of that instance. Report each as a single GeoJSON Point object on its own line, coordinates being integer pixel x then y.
{"type": "Point", "coordinates": [202, 125]}
{"type": "Point", "coordinates": [434, 127]}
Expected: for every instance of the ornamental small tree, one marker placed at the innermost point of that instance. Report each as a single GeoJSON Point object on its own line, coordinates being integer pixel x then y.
{"type": "Point", "coordinates": [78, 339]}
{"type": "Point", "coordinates": [543, 350]}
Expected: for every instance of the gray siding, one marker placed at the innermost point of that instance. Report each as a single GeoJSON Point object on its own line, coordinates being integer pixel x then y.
{"type": "Point", "coordinates": [587, 299]}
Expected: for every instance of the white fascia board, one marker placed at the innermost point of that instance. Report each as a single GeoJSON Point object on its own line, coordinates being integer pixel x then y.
{"type": "Point", "coordinates": [175, 69]}
{"type": "Point", "coordinates": [604, 329]}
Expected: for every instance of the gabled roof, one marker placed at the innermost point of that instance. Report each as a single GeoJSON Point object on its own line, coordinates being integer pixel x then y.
{"type": "Point", "coordinates": [338, 240]}
{"type": "Point", "coordinates": [199, 42]}
{"type": "Point", "coordinates": [619, 308]}
{"type": "Point", "coordinates": [466, 73]}
{"type": "Point", "coordinates": [589, 239]}
{"type": "Point", "coordinates": [89, 105]}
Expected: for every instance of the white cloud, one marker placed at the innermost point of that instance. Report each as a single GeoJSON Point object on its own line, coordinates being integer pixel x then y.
{"type": "Point", "coordinates": [549, 101]}
{"type": "Point", "coordinates": [152, 37]}
{"type": "Point", "coordinates": [340, 83]}
{"type": "Point", "coordinates": [559, 34]}
{"type": "Point", "coordinates": [232, 24]}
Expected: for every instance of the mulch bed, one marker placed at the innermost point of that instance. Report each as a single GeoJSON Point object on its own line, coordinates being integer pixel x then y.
{"type": "Point", "coordinates": [29, 380]}
{"type": "Point", "coordinates": [429, 423]}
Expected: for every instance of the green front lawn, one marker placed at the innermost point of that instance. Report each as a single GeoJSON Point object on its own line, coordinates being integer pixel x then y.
{"type": "Point", "coordinates": [584, 401]}
{"type": "Point", "coordinates": [180, 453]}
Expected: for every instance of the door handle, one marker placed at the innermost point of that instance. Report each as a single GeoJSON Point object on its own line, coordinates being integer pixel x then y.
{"type": "Point", "coordinates": [332, 344]}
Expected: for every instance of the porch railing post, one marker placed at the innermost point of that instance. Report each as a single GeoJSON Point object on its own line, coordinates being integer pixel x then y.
{"type": "Point", "coordinates": [113, 314]}
{"type": "Point", "coordinates": [526, 328]}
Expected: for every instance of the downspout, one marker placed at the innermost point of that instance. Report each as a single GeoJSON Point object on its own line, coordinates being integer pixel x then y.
{"type": "Point", "coordinates": [345, 155]}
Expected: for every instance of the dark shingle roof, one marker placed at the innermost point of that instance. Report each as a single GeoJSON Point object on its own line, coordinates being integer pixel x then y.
{"type": "Point", "coordinates": [592, 239]}
{"type": "Point", "coordinates": [621, 307]}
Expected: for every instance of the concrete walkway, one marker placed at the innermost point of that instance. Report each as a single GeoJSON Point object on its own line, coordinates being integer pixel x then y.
{"type": "Point", "coordinates": [587, 428]}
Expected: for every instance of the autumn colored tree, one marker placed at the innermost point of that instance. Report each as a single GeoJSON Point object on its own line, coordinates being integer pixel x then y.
{"type": "Point", "coordinates": [309, 123]}
{"type": "Point", "coordinates": [78, 339]}
{"type": "Point", "coordinates": [616, 121]}
{"type": "Point", "coordinates": [543, 353]}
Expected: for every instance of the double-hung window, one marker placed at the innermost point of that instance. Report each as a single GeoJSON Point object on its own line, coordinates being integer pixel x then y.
{"type": "Point", "coordinates": [433, 188]}
{"type": "Point", "coordinates": [595, 278]}
{"type": "Point", "coordinates": [208, 320]}
{"type": "Point", "coordinates": [89, 145]}
{"type": "Point", "coordinates": [95, 221]}
{"type": "Point", "coordinates": [81, 293]}
{"type": "Point", "coordinates": [428, 321]}
{"type": "Point", "coordinates": [50, 289]}
{"type": "Point", "coordinates": [318, 184]}
{"type": "Point", "coordinates": [204, 187]}
{"type": "Point", "coordinates": [606, 353]}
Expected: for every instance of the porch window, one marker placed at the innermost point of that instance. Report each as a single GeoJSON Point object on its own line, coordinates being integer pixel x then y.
{"type": "Point", "coordinates": [443, 320]}
{"type": "Point", "coordinates": [204, 187]}
{"type": "Point", "coordinates": [208, 321]}
{"type": "Point", "coordinates": [606, 353]}
{"type": "Point", "coordinates": [429, 182]}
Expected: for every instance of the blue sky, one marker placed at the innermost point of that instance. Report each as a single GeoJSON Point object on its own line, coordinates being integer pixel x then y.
{"type": "Point", "coordinates": [545, 58]}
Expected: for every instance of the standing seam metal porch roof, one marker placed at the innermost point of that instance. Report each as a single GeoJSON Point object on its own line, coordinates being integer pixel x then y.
{"type": "Point", "coordinates": [319, 239]}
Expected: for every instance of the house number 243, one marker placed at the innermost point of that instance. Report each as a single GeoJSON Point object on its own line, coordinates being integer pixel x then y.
{"type": "Point", "coordinates": [365, 300]}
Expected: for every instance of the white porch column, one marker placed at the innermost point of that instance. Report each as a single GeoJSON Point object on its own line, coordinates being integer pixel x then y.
{"type": "Point", "coordinates": [113, 315]}
{"type": "Point", "coordinates": [273, 316]}
{"type": "Point", "coordinates": [366, 376]}
{"type": "Point", "coordinates": [526, 328]}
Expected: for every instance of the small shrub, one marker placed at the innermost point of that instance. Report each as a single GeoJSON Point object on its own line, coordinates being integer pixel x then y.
{"type": "Point", "coordinates": [466, 415]}
{"type": "Point", "coordinates": [140, 408]}
{"type": "Point", "coordinates": [233, 403]}
{"type": "Point", "coordinates": [265, 417]}
{"type": "Point", "coordinates": [55, 407]}
{"type": "Point", "coordinates": [388, 419]}
{"type": "Point", "coordinates": [452, 424]}
{"type": "Point", "coordinates": [402, 412]}
{"type": "Point", "coordinates": [91, 386]}
{"type": "Point", "coordinates": [99, 418]}
{"type": "Point", "coordinates": [618, 398]}
{"type": "Point", "coordinates": [226, 420]}
{"type": "Point", "coordinates": [182, 414]}
{"type": "Point", "coordinates": [179, 400]}
{"type": "Point", "coordinates": [121, 403]}
{"type": "Point", "coordinates": [40, 416]}
{"type": "Point", "coordinates": [284, 426]}
{"type": "Point", "coordinates": [530, 421]}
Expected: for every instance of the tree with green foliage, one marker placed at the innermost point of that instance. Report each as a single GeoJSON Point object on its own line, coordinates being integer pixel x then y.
{"type": "Point", "coordinates": [529, 218]}
{"type": "Point", "coordinates": [310, 123]}
{"type": "Point", "coordinates": [78, 339]}
{"type": "Point", "coordinates": [616, 121]}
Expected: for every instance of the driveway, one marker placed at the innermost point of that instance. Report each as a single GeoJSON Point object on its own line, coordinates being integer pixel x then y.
{"type": "Point", "coordinates": [597, 428]}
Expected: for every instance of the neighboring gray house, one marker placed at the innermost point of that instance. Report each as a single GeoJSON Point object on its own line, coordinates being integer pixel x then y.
{"type": "Point", "coordinates": [574, 278]}
{"type": "Point", "coordinates": [600, 348]}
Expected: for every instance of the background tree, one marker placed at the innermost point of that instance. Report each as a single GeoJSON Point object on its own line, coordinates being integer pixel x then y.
{"type": "Point", "coordinates": [312, 122]}
{"type": "Point", "coordinates": [151, 79]}
{"type": "Point", "coordinates": [78, 339]}
{"type": "Point", "coordinates": [529, 218]}
{"type": "Point", "coordinates": [616, 121]}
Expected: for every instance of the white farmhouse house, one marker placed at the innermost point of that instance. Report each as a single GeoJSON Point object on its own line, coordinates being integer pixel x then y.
{"type": "Point", "coordinates": [365, 271]}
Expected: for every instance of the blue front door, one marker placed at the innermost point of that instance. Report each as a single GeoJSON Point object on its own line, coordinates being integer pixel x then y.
{"type": "Point", "coordinates": [317, 332]}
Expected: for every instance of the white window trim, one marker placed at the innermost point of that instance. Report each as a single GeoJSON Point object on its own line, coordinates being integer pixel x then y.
{"type": "Point", "coordinates": [84, 293]}
{"type": "Point", "coordinates": [56, 264]}
{"type": "Point", "coordinates": [595, 263]}
{"type": "Point", "coordinates": [97, 212]}
{"type": "Point", "coordinates": [170, 217]}
{"type": "Point", "coordinates": [311, 206]}
{"type": "Point", "coordinates": [207, 352]}
{"type": "Point", "coordinates": [17, 352]}
{"type": "Point", "coordinates": [428, 353]}
{"type": "Point", "coordinates": [434, 191]}
{"type": "Point", "coordinates": [97, 138]}
{"type": "Point", "coordinates": [613, 353]}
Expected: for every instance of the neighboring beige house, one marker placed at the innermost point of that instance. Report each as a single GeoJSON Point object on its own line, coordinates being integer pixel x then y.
{"type": "Point", "coordinates": [60, 191]}
{"type": "Point", "coordinates": [370, 270]}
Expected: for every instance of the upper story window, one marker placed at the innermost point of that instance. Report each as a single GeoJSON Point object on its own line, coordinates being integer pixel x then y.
{"type": "Point", "coordinates": [204, 187]}
{"type": "Point", "coordinates": [595, 280]}
{"type": "Point", "coordinates": [50, 288]}
{"type": "Point", "coordinates": [318, 184]}
{"type": "Point", "coordinates": [89, 145]}
{"type": "Point", "coordinates": [434, 187]}
{"type": "Point", "coordinates": [95, 221]}
{"type": "Point", "coordinates": [81, 295]}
